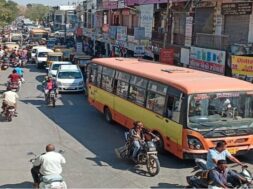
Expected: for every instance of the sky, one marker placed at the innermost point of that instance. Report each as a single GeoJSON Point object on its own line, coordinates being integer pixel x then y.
{"type": "Point", "coordinates": [47, 2]}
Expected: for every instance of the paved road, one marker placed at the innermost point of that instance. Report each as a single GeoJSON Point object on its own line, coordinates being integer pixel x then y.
{"type": "Point", "coordinates": [81, 131]}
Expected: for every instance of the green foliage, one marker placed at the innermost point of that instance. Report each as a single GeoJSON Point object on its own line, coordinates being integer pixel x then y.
{"type": "Point", "coordinates": [36, 11]}
{"type": "Point", "coordinates": [8, 12]}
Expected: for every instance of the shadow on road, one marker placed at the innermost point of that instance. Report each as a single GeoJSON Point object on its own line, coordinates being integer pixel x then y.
{"type": "Point", "coordinates": [18, 185]}
{"type": "Point", "coordinates": [167, 185]}
{"type": "Point", "coordinates": [33, 68]}
{"type": "Point", "coordinates": [89, 127]}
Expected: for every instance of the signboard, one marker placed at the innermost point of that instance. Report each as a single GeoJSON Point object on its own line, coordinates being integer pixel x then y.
{"type": "Point", "coordinates": [146, 19]}
{"type": "Point", "coordinates": [139, 33]}
{"type": "Point", "coordinates": [121, 33]}
{"type": "Point", "coordinates": [208, 60]}
{"type": "Point", "coordinates": [167, 56]}
{"type": "Point", "coordinates": [242, 65]}
{"type": "Point", "coordinates": [139, 51]}
{"type": "Point", "coordinates": [79, 47]}
{"type": "Point", "coordinates": [188, 31]}
{"type": "Point", "coordinates": [112, 32]}
{"type": "Point", "coordinates": [185, 56]}
{"type": "Point", "coordinates": [236, 8]}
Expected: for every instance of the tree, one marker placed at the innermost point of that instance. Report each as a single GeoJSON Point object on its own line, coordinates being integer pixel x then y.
{"type": "Point", "coordinates": [8, 12]}
{"type": "Point", "coordinates": [36, 11]}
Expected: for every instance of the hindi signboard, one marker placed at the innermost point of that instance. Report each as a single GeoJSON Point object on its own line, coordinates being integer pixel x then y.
{"type": "Point", "coordinates": [242, 65]}
{"type": "Point", "coordinates": [242, 8]}
{"type": "Point", "coordinates": [167, 56]}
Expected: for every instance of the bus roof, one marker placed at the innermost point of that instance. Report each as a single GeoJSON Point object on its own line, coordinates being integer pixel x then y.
{"type": "Point", "coordinates": [187, 80]}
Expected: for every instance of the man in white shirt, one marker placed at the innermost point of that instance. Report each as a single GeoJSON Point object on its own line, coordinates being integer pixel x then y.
{"type": "Point", "coordinates": [49, 163]}
{"type": "Point", "coordinates": [9, 99]}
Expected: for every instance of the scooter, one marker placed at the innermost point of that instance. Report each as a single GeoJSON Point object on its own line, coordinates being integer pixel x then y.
{"type": "Point", "coordinates": [14, 86]}
{"type": "Point", "coordinates": [50, 181]}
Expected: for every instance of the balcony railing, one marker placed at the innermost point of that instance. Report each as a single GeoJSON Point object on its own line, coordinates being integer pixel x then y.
{"type": "Point", "coordinates": [211, 41]}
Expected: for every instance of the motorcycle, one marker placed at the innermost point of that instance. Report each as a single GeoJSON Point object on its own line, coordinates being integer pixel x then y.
{"type": "Point", "coordinates": [9, 112]}
{"type": "Point", "coordinates": [14, 86]}
{"type": "Point", "coordinates": [5, 64]}
{"type": "Point", "coordinates": [146, 156]}
{"type": "Point", "coordinates": [50, 181]}
{"type": "Point", "coordinates": [50, 97]}
{"type": "Point", "coordinates": [200, 178]}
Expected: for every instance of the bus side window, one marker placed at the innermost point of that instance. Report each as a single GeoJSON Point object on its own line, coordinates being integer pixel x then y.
{"type": "Point", "coordinates": [173, 108]}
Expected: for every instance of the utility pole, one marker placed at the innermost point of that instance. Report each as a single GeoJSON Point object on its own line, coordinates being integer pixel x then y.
{"type": "Point", "coordinates": [165, 39]}
{"type": "Point", "coordinates": [65, 27]}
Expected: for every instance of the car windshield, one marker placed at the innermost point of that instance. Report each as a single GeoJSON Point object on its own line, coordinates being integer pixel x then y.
{"type": "Point", "coordinates": [53, 58]}
{"type": "Point", "coordinates": [42, 54]}
{"type": "Point", "coordinates": [56, 66]}
{"type": "Point", "coordinates": [221, 110]}
{"type": "Point", "coordinates": [69, 75]}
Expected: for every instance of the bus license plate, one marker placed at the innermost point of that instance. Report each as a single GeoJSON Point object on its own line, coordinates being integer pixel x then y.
{"type": "Point", "coordinates": [232, 150]}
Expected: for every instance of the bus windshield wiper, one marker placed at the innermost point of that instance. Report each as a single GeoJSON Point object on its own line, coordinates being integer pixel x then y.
{"type": "Point", "coordinates": [210, 131]}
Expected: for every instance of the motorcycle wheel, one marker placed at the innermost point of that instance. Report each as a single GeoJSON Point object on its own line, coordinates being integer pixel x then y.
{"type": "Point", "coordinates": [9, 118]}
{"type": "Point", "coordinates": [153, 165]}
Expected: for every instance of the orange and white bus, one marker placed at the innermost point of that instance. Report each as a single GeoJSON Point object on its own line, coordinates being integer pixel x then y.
{"type": "Point", "coordinates": [188, 109]}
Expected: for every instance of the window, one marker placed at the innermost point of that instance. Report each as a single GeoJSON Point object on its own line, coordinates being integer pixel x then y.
{"type": "Point", "coordinates": [156, 97]}
{"type": "Point", "coordinates": [95, 74]}
{"type": "Point", "coordinates": [173, 108]}
{"type": "Point", "coordinates": [137, 91]}
{"type": "Point", "coordinates": [107, 79]}
{"type": "Point", "coordinates": [122, 84]}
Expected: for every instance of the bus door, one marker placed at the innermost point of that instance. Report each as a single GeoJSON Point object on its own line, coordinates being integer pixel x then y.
{"type": "Point", "coordinates": [171, 122]}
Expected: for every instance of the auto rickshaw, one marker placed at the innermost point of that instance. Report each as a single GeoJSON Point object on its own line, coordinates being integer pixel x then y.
{"type": "Point", "coordinates": [54, 56]}
{"type": "Point", "coordinates": [82, 60]}
{"type": "Point", "coordinates": [67, 53]}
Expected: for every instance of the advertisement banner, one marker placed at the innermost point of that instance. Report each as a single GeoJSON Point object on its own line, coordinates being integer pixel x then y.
{"type": "Point", "coordinates": [139, 51]}
{"type": "Point", "coordinates": [208, 60]}
{"type": "Point", "coordinates": [242, 65]}
{"type": "Point", "coordinates": [167, 56]}
{"type": "Point", "coordinates": [139, 33]}
{"type": "Point", "coordinates": [113, 32]}
{"type": "Point", "coordinates": [121, 33]}
{"type": "Point", "coordinates": [146, 19]}
{"type": "Point", "coordinates": [142, 2]}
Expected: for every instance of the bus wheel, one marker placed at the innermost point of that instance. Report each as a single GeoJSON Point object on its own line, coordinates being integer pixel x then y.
{"type": "Point", "coordinates": [160, 143]}
{"type": "Point", "coordinates": [108, 115]}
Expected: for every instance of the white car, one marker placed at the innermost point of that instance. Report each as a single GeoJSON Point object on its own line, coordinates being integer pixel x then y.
{"type": "Point", "coordinates": [34, 51]}
{"type": "Point", "coordinates": [52, 70]}
{"type": "Point", "coordinates": [41, 57]}
{"type": "Point", "coordinates": [69, 78]}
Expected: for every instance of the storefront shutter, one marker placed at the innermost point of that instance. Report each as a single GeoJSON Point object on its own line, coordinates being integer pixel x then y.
{"type": "Point", "coordinates": [237, 28]}
{"type": "Point", "coordinates": [204, 20]}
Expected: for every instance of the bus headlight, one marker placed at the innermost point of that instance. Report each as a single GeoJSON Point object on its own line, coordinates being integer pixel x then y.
{"type": "Point", "coordinates": [194, 143]}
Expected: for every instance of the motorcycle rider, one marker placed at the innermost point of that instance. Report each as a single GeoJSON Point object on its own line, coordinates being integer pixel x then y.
{"type": "Point", "coordinates": [9, 99]}
{"type": "Point", "coordinates": [49, 163]}
{"type": "Point", "coordinates": [222, 177]}
{"type": "Point", "coordinates": [19, 71]}
{"type": "Point", "coordinates": [137, 136]}
{"type": "Point", "coordinates": [14, 77]}
{"type": "Point", "coordinates": [219, 153]}
{"type": "Point", "coordinates": [49, 85]}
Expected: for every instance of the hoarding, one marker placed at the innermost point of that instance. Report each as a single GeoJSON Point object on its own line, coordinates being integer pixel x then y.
{"type": "Point", "coordinates": [242, 65]}
{"type": "Point", "coordinates": [208, 60]}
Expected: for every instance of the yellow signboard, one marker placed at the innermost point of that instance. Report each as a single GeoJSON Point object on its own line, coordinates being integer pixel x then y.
{"type": "Point", "coordinates": [242, 65]}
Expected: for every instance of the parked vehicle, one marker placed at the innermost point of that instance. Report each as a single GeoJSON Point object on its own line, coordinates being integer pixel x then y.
{"type": "Point", "coordinates": [5, 64]}
{"type": "Point", "coordinates": [146, 156]}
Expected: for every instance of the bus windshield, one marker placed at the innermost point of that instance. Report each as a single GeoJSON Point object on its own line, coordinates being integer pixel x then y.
{"type": "Point", "coordinates": [218, 111]}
